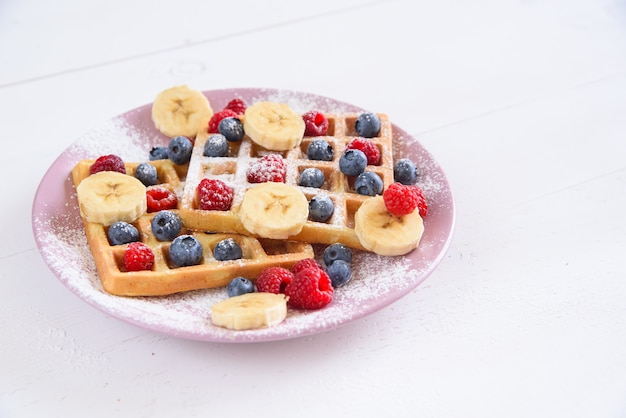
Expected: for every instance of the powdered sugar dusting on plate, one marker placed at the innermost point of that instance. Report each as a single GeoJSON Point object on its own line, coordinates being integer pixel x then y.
{"type": "Point", "coordinates": [377, 280]}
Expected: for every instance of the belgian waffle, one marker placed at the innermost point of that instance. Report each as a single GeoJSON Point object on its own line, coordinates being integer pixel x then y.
{"type": "Point", "coordinates": [165, 278]}
{"type": "Point", "coordinates": [339, 187]}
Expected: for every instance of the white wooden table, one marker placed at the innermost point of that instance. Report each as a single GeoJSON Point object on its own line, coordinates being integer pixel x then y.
{"type": "Point", "coordinates": [523, 103]}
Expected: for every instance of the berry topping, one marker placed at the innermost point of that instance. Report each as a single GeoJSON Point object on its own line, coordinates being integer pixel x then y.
{"type": "Point", "coordinates": [166, 225]}
{"type": "Point", "coordinates": [352, 162]}
{"type": "Point", "coordinates": [368, 147]}
{"type": "Point", "coordinates": [339, 272]}
{"type": "Point", "coordinates": [236, 105]}
{"type": "Point", "coordinates": [368, 184]}
{"type": "Point", "coordinates": [217, 118]}
{"type": "Point", "coordinates": [216, 146]}
{"type": "Point", "coordinates": [367, 125]}
{"type": "Point", "coordinates": [311, 177]}
{"type": "Point", "coordinates": [315, 123]}
{"type": "Point", "coordinates": [405, 171]}
{"type": "Point", "coordinates": [185, 250]}
{"type": "Point", "coordinates": [159, 153]}
{"type": "Point", "coordinates": [336, 252]}
{"type": "Point", "coordinates": [227, 249]}
{"type": "Point", "coordinates": [147, 174]}
{"type": "Point", "coordinates": [239, 286]}
{"type": "Point", "coordinates": [231, 128]}
{"type": "Point", "coordinates": [122, 233]}
{"type": "Point", "coordinates": [138, 256]}
{"type": "Point", "coordinates": [214, 194]}
{"type": "Point", "coordinates": [321, 208]}
{"type": "Point", "coordinates": [320, 150]}
{"type": "Point", "coordinates": [160, 198]}
{"type": "Point", "coordinates": [401, 199]}
{"type": "Point", "coordinates": [311, 288]}
{"type": "Point", "coordinates": [270, 167]}
{"type": "Point", "coordinates": [304, 264]}
{"type": "Point", "coordinates": [109, 162]}
{"type": "Point", "coordinates": [274, 280]}
{"type": "Point", "coordinates": [179, 150]}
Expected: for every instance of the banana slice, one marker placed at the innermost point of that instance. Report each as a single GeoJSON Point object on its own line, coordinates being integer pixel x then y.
{"type": "Point", "coordinates": [384, 233]}
{"type": "Point", "coordinates": [108, 196]}
{"type": "Point", "coordinates": [274, 126]}
{"type": "Point", "coordinates": [274, 210]}
{"type": "Point", "coordinates": [181, 111]}
{"type": "Point", "coordinates": [250, 311]}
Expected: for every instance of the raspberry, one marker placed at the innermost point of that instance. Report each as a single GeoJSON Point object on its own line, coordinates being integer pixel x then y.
{"type": "Point", "coordinates": [402, 199]}
{"type": "Point", "coordinates": [160, 198]}
{"type": "Point", "coordinates": [303, 264]}
{"type": "Point", "coordinates": [311, 288]}
{"type": "Point", "coordinates": [109, 162]}
{"type": "Point", "coordinates": [236, 105]}
{"type": "Point", "coordinates": [138, 256]}
{"type": "Point", "coordinates": [274, 280]}
{"type": "Point", "coordinates": [369, 149]}
{"type": "Point", "coordinates": [214, 194]}
{"type": "Point", "coordinates": [422, 205]}
{"type": "Point", "coordinates": [315, 123]}
{"type": "Point", "coordinates": [270, 167]}
{"type": "Point", "coordinates": [215, 120]}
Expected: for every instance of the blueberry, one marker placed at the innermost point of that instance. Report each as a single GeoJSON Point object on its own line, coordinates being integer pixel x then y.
{"type": "Point", "coordinates": [367, 125]}
{"type": "Point", "coordinates": [321, 208]}
{"type": "Point", "coordinates": [185, 250]}
{"type": "Point", "coordinates": [147, 174]}
{"type": "Point", "coordinates": [311, 177]}
{"type": "Point", "coordinates": [320, 150]}
{"type": "Point", "coordinates": [339, 272]}
{"type": "Point", "coordinates": [122, 233]}
{"type": "Point", "coordinates": [159, 153]}
{"type": "Point", "coordinates": [239, 286]}
{"type": "Point", "coordinates": [180, 149]}
{"type": "Point", "coordinates": [352, 162]}
{"type": "Point", "coordinates": [336, 252]}
{"type": "Point", "coordinates": [368, 184]}
{"type": "Point", "coordinates": [216, 146]}
{"type": "Point", "coordinates": [231, 128]}
{"type": "Point", "coordinates": [405, 172]}
{"type": "Point", "coordinates": [166, 225]}
{"type": "Point", "coordinates": [227, 249]}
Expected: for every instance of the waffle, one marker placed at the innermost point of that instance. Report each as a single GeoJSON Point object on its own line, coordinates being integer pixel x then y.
{"type": "Point", "coordinates": [339, 187]}
{"type": "Point", "coordinates": [165, 278]}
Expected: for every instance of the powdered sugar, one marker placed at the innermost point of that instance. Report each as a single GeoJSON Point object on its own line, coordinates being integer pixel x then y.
{"type": "Point", "coordinates": [377, 280]}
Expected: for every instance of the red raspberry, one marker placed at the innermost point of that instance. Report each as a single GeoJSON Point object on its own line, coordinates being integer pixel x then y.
{"type": "Point", "coordinates": [422, 205]}
{"type": "Point", "coordinates": [236, 105]}
{"type": "Point", "coordinates": [215, 120]}
{"type": "Point", "coordinates": [270, 167]}
{"type": "Point", "coordinates": [368, 147]}
{"type": "Point", "coordinates": [403, 199]}
{"type": "Point", "coordinates": [315, 123]}
{"type": "Point", "coordinates": [160, 198]}
{"type": "Point", "coordinates": [311, 288]}
{"type": "Point", "coordinates": [109, 162]}
{"type": "Point", "coordinates": [214, 194]}
{"type": "Point", "coordinates": [274, 280]}
{"type": "Point", "coordinates": [303, 264]}
{"type": "Point", "coordinates": [138, 256]}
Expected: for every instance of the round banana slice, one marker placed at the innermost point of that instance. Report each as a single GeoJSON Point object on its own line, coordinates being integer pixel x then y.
{"type": "Point", "coordinates": [274, 126]}
{"type": "Point", "coordinates": [384, 233]}
{"type": "Point", "coordinates": [250, 311]}
{"type": "Point", "coordinates": [108, 196]}
{"type": "Point", "coordinates": [274, 210]}
{"type": "Point", "coordinates": [181, 111]}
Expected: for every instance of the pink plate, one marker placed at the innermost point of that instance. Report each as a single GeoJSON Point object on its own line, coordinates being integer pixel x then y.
{"type": "Point", "coordinates": [377, 281]}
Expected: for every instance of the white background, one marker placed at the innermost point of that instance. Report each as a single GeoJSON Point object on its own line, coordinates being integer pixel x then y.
{"type": "Point", "coordinates": [522, 102]}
